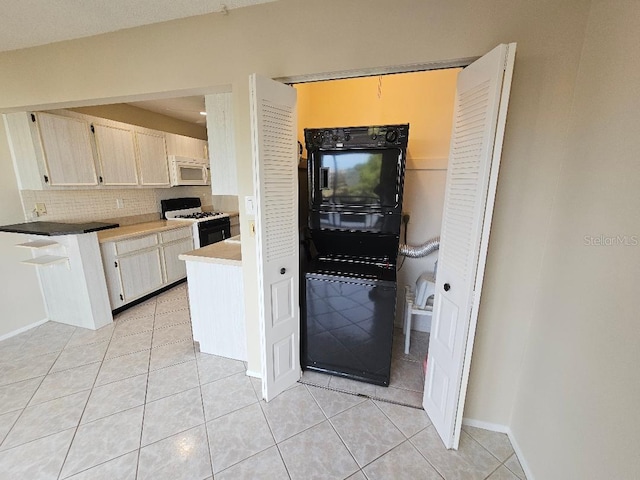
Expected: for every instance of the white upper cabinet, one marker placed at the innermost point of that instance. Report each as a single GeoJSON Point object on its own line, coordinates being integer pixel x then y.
{"type": "Point", "coordinates": [182, 146]}
{"type": "Point", "coordinates": [59, 150]}
{"type": "Point", "coordinates": [152, 159]}
{"type": "Point", "coordinates": [66, 150]}
{"type": "Point", "coordinates": [116, 155]}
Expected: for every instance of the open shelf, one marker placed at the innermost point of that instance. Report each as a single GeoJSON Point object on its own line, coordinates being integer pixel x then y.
{"type": "Point", "coordinates": [35, 244]}
{"type": "Point", "coordinates": [45, 260]}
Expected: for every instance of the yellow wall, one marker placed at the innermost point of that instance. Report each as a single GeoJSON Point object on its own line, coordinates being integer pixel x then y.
{"type": "Point", "coordinates": [423, 99]}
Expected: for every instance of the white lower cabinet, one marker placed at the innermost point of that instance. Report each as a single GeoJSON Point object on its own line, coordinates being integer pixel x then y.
{"type": "Point", "coordinates": [140, 274]}
{"type": "Point", "coordinates": [138, 266]}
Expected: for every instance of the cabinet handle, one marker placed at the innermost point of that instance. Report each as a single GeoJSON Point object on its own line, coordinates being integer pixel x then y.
{"type": "Point", "coordinates": [447, 287]}
{"type": "Point", "coordinates": [100, 179]}
{"type": "Point", "coordinates": [121, 297]}
{"type": "Point", "coordinates": [116, 264]}
{"type": "Point", "coordinates": [33, 118]}
{"type": "Point", "coordinates": [93, 129]}
{"type": "Point", "coordinates": [46, 179]}
{"type": "Point", "coordinates": [283, 271]}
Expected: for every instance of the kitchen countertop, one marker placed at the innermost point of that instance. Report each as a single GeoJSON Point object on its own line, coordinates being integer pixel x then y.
{"type": "Point", "coordinates": [138, 229]}
{"type": "Point", "coordinates": [57, 228]}
{"type": "Point", "coordinates": [223, 253]}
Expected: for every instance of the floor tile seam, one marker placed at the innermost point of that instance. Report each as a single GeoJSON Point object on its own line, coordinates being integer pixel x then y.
{"type": "Point", "coordinates": [131, 334]}
{"type": "Point", "coordinates": [165, 300]}
{"type": "Point", "coordinates": [90, 343]}
{"type": "Point", "coordinates": [71, 368]}
{"type": "Point", "coordinates": [172, 311]}
{"type": "Point", "coordinates": [35, 440]}
{"type": "Point", "coordinates": [92, 466]}
{"type": "Point", "coordinates": [89, 389]}
{"type": "Point", "coordinates": [30, 398]}
{"type": "Point", "coordinates": [410, 440]}
{"type": "Point", "coordinates": [20, 381]}
{"type": "Point", "coordinates": [494, 471]}
{"type": "Point", "coordinates": [172, 342]}
{"type": "Point", "coordinates": [11, 427]}
{"type": "Point", "coordinates": [207, 420]}
{"type": "Point", "coordinates": [180, 432]}
{"type": "Point", "coordinates": [164, 327]}
{"type": "Point", "coordinates": [222, 378]}
{"type": "Point", "coordinates": [240, 461]}
{"type": "Point", "coordinates": [146, 394]}
{"type": "Point", "coordinates": [344, 443]}
{"type": "Point", "coordinates": [365, 396]}
{"type": "Point", "coordinates": [406, 389]}
{"type": "Point", "coordinates": [125, 354]}
{"type": "Point", "coordinates": [391, 420]}
{"type": "Point", "coordinates": [172, 395]}
{"type": "Point", "coordinates": [171, 365]}
{"type": "Point", "coordinates": [406, 440]}
{"type": "Point", "coordinates": [507, 467]}
{"type": "Point", "coordinates": [204, 416]}
{"type": "Point", "coordinates": [487, 448]}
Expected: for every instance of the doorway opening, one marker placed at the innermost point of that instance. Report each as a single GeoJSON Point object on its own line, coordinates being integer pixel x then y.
{"type": "Point", "coordinates": [425, 100]}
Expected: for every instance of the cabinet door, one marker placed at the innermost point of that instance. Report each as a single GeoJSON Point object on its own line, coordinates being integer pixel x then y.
{"type": "Point", "coordinates": [152, 159]}
{"type": "Point", "coordinates": [67, 149]}
{"type": "Point", "coordinates": [186, 146]}
{"type": "Point", "coordinates": [175, 268]}
{"type": "Point", "coordinates": [116, 153]}
{"type": "Point", "coordinates": [140, 274]}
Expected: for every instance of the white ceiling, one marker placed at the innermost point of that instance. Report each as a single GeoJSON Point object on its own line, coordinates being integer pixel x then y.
{"type": "Point", "coordinates": [28, 23]}
{"type": "Point", "coordinates": [184, 108]}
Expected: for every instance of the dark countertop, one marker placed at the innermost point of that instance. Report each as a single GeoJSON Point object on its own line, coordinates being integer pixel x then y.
{"type": "Point", "coordinates": [56, 228]}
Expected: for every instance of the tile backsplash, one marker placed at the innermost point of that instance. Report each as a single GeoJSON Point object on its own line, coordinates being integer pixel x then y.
{"type": "Point", "coordinates": [103, 204]}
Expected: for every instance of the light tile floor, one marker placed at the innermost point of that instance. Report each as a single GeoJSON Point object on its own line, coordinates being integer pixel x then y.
{"type": "Point", "coordinates": [134, 400]}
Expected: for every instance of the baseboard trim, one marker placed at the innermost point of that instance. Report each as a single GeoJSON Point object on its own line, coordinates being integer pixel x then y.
{"type": "Point", "coordinates": [251, 373]}
{"type": "Point", "coordinates": [496, 427]}
{"type": "Point", "coordinates": [23, 329]}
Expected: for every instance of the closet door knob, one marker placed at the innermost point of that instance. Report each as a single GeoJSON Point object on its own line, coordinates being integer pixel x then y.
{"type": "Point", "coordinates": [447, 287]}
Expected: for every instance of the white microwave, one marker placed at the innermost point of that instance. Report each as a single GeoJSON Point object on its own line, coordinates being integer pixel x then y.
{"type": "Point", "coordinates": [188, 171]}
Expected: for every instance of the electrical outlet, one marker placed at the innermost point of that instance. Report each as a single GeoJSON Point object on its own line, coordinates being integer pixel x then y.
{"type": "Point", "coordinates": [41, 209]}
{"type": "Point", "coordinates": [120, 203]}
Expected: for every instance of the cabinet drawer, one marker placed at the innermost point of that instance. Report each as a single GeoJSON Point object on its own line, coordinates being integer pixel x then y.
{"type": "Point", "coordinates": [177, 234]}
{"type": "Point", "coordinates": [140, 243]}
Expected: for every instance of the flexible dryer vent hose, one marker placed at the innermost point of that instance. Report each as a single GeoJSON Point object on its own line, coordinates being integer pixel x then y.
{"type": "Point", "coordinates": [418, 251]}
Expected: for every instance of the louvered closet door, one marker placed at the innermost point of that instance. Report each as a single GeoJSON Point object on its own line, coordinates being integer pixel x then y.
{"type": "Point", "coordinates": [478, 125]}
{"type": "Point", "coordinates": [273, 122]}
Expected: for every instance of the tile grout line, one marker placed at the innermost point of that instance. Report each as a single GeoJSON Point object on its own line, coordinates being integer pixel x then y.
{"type": "Point", "coordinates": [275, 442]}
{"type": "Point", "coordinates": [146, 393]}
{"type": "Point", "coordinates": [204, 416]}
{"type": "Point", "coordinates": [84, 408]}
{"type": "Point", "coordinates": [37, 388]}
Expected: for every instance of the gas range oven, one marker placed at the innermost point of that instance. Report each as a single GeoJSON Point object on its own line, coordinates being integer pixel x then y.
{"type": "Point", "coordinates": [208, 227]}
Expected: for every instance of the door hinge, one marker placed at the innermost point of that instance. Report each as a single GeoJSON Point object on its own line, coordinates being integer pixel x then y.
{"type": "Point", "coordinates": [115, 264]}
{"type": "Point", "coordinates": [46, 179]}
{"type": "Point", "coordinates": [33, 117]}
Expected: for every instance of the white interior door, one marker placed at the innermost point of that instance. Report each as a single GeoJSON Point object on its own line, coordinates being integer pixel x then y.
{"type": "Point", "coordinates": [482, 96]}
{"type": "Point", "coordinates": [275, 163]}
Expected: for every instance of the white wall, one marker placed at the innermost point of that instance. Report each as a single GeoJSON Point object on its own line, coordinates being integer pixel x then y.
{"type": "Point", "coordinates": [579, 392]}
{"type": "Point", "coordinates": [20, 298]}
{"type": "Point", "coordinates": [288, 38]}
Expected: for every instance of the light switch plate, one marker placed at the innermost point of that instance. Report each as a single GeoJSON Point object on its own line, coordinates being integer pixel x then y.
{"type": "Point", "coordinates": [250, 205]}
